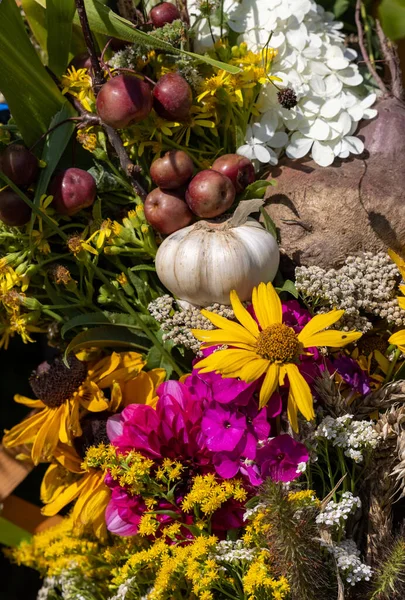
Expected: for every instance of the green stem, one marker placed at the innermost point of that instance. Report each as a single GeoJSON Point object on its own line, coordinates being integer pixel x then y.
{"type": "Point", "coordinates": [52, 314]}
{"type": "Point", "coordinates": [330, 474]}
{"type": "Point", "coordinates": [34, 207]}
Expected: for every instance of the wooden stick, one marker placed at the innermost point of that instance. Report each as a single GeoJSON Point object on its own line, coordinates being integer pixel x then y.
{"type": "Point", "coordinates": [98, 75]}
{"type": "Point", "coordinates": [391, 57]}
{"type": "Point", "coordinates": [363, 49]}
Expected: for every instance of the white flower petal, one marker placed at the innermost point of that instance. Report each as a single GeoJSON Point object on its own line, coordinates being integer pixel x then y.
{"type": "Point", "coordinates": [319, 130]}
{"type": "Point", "coordinates": [350, 76]}
{"type": "Point", "coordinates": [262, 153]}
{"type": "Point", "coordinates": [322, 154]}
{"type": "Point", "coordinates": [353, 144]}
{"type": "Point", "coordinates": [299, 146]}
{"type": "Point", "coordinates": [331, 108]}
{"type": "Point", "coordinates": [278, 140]}
{"type": "Point", "coordinates": [247, 151]}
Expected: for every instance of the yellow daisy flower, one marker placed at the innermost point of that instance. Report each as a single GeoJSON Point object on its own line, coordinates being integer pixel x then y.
{"type": "Point", "coordinates": [398, 338]}
{"type": "Point", "coordinates": [69, 479]}
{"type": "Point", "coordinates": [272, 349]}
{"type": "Point", "coordinates": [64, 395]}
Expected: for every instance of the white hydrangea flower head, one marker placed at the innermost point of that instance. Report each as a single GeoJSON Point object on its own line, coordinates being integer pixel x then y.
{"type": "Point", "coordinates": [313, 61]}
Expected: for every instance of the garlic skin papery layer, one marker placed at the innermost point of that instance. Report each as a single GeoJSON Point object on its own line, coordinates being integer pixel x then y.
{"type": "Point", "coordinates": [202, 263]}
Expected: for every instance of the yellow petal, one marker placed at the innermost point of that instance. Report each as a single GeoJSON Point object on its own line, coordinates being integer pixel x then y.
{"type": "Point", "coordinates": [267, 305]}
{"type": "Point", "coordinates": [64, 424]}
{"type": "Point", "coordinates": [292, 412]}
{"type": "Point", "coordinates": [116, 397]}
{"type": "Point", "coordinates": [158, 376]}
{"type": "Point", "coordinates": [269, 384]}
{"type": "Point", "coordinates": [242, 315]}
{"type": "Point", "coordinates": [75, 427]}
{"type": "Point", "coordinates": [25, 432]}
{"type": "Point", "coordinates": [92, 398]}
{"type": "Point", "coordinates": [332, 338]}
{"type": "Point", "coordinates": [253, 370]}
{"type": "Point", "coordinates": [28, 402]}
{"type": "Point", "coordinates": [223, 360]}
{"type": "Point", "coordinates": [300, 391]}
{"type": "Point", "coordinates": [398, 261]}
{"type": "Point", "coordinates": [401, 302]}
{"type": "Point", "coordinates": [47, 437]}
{"type": "Point", "coordinates": [52, 484]}
{"type": "Point", "coordinates": [223, 336]}
{"type": "Point", "coordinates": [105, 367]}
{"type": "Point", "coordinates": [318, 323]}
{"type": "Point", "coordinates": [68, 458]}
{"type": "Point", "coordinates": [398, 338]}
{"type": "Point", "coordinates": [229, 326]}
{"type": "Point", "coordinates": [67, 496]}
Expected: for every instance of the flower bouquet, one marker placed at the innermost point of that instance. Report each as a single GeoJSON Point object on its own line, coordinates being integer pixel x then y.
{"type": "Point", "coordinates": [222, 416]}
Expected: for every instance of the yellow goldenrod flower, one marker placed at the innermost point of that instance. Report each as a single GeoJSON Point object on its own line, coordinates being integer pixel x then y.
{"type": "Point", "coordinates": [87, 139]}
{"type": "Point", "coordinates": [78, 83]}
{"type": "Point", "coordinates": [268, 347]}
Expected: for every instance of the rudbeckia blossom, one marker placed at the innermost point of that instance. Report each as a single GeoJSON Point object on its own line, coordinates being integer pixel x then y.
{"type": "Point", "coordinates": [64, 394]}
{"type": "Point", "coordinates": [268, 347]}
{"type": "Point", "coordinates": [68, 479]}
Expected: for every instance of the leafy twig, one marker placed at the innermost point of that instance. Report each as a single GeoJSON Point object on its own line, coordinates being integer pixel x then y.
{"type": "Point", "coordinates": [360, 33]}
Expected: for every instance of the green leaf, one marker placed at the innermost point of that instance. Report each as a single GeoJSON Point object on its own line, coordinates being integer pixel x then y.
{"type": "Point", "coordinates": [103, 20]}
{"type": "Point", "coordinates": [289, 287]}
{"type": "Point", "coordinates": [100, 318]}
{"type": "Point", "coordinates": [156, 360]}
{"type": "Point", "coordinates": [12, 535]}
{"type": "Point", "coordinates": [392, 16]}
{"type": "Point", "coordinates": [143, 268]}
{"type": "Point", "coordinates": [59, 18]}
{"type": "Point", "coordinates": [268, 223]}
{"type": "Point", "coordinates": [105, 337]}
{"type": "Point", "coordinates": [340, 7]}
{"type": "Point", "coordinates": [400, 374]}
{"type": "Point", "coordinates": [257, 189]}
{"type": "Point", "coordinates": [36, 17]}
{"type": "Point", "coordinates": [55, 145]}
{"type": "Point", "coordinates": [31, 94]}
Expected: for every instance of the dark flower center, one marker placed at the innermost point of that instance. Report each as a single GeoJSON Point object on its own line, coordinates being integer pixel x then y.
{"type": "Point", "coordinates": [280, 456]}
{"type": "Point", "coordinates": [227, 424]}
{"type": "Point", "coordinates": [55, 383]}
{"type": "Point", "coordinates": [94, 432]}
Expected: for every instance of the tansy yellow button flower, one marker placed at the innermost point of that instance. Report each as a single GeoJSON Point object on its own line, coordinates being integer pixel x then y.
{"type": "Point", "coordinates": [270, 347]}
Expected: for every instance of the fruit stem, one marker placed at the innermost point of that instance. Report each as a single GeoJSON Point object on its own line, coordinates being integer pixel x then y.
{"type": "Point", "coordinates": [366, 58]}
{"type": "Point", "coordinates": [98, 75]}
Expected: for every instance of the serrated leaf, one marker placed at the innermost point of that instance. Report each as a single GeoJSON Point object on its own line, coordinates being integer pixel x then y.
{"type": "Point", "coordinates": [31, 94]}
{"type": "Point", "coordinates": [268, 223]}
{"type": "Point", "coordinates": [289, 287]}
{"type": "Point", "coordinates": [105, 337]}
{"type": "Point", "coordinates": [59, 18]}
{"type": "Point", "coordinates": [257, 189]}
{"type": "Point", "coordinates": [103, 20]}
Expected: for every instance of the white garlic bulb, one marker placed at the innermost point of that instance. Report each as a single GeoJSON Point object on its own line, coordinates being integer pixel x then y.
{"type": "Point", "coordinates": [202, 263]}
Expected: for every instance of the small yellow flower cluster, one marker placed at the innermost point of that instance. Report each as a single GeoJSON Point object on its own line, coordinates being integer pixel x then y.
{"type": "Point", "coordinates": [169, 471]}
{"type": "Point", "coordinates": [256, 527]}
{"type": "Point", "coordinates": [148, 524]}
{"type": "Point", "coordinates": [56, 548]}
{"type": "Point", "coordinates": [209, 495]}
{"type": "Point", "coordinates": [78, 83]}
{"type": "Point", "coordinates": [87, 138]}
{"type": "Point", "coordinates": [130, 469]}
{"type": "Point", "coordinates": [260, 582]}
{"type": "Point", "coordinates": [303, 499]}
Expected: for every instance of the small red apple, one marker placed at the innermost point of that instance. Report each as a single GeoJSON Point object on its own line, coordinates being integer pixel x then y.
{"type": "Point", "coordinates": [164, 13]}
{"type": "Point", "coordinates": [166, 211]}
{"type": "Point", "coordinates": [172, 170]}
{"type": "Point", "coordinates": [239, 169]}
{"type": "Point", "coordinates": [123, 100]}
{"type": "Point", "coordinates": [172, 97]}
{"type": "Point", "coordinates": [13, 210]}
{"type": "Point", "coordinates": [210, 194]}
{"type": "Point", "coordinates": [72, 190]}
{"type": "Point", "coordinates": [19, 164]}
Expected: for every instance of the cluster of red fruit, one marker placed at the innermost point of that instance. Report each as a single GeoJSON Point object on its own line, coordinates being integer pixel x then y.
{"type": "Point", "coordinates": [72, 189]}
{"type": "Point", "coordinates": [209, 194]}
